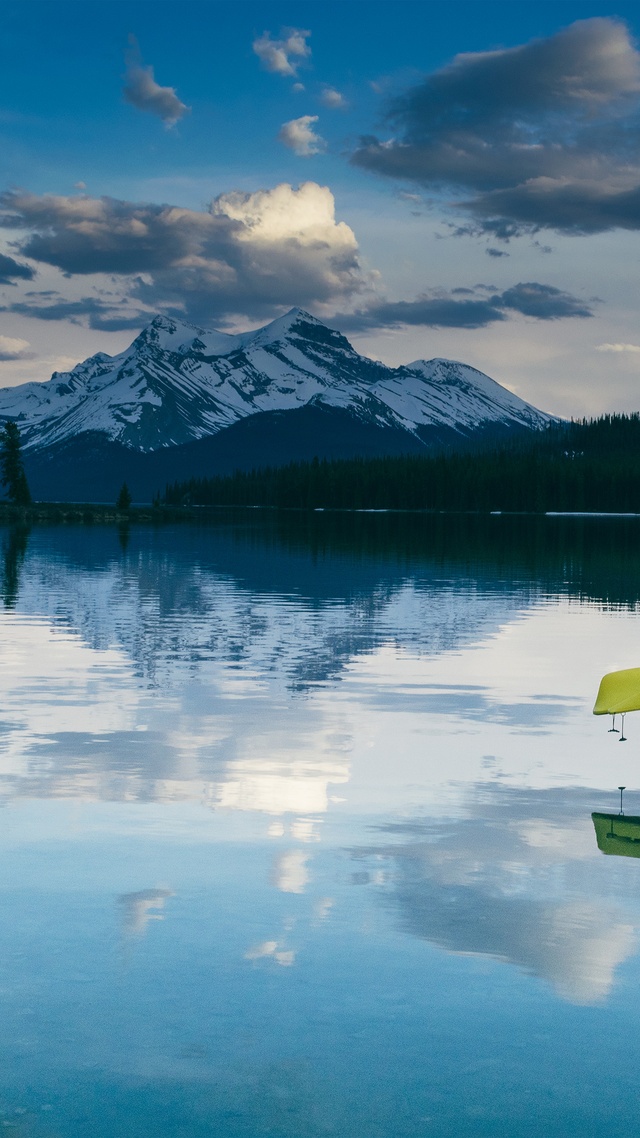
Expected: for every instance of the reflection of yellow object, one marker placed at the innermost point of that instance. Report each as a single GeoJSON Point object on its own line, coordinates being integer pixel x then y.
{"type": "Point", "coordinates": [617, 834]}
{"type": "Point", "coordinates": [618, 693]}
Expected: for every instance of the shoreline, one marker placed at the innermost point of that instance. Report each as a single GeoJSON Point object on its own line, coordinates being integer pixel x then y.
{"type": "Point", "coordinates": [91, 513]}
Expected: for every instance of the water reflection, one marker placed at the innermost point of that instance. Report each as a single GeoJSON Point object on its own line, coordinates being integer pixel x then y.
{"type": "Point", "coordinates": [328, 784]}
{"type": "Point", "coordinates": [617, 834]}
{"type": "Point", "coordinates": [14, 548]}
{"type": "Point", "coordinates": [137, 909]}
{"type": "Point", "coordinates": [516, 882]}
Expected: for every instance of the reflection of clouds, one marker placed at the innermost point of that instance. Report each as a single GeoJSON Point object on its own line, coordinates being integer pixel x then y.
{"type": "Point", "coordinates": [293, 786]}
{"type": "Point", "coordinates": [272, 950]}
{"type": "Point", "coordinates": [290, 872]}
{"type": "Point", "coordinates": [576, 947]}
{"type": "Point", "coordinates": [502, 885]}
{"type": "Point", "coordinates": [397, 680]}
{"type": "Point", "coordinates": [137, 909]}
{"type": "Point", "coordinates": [52, 683]}
{"type": "Point", "coordinates": [322, 908]}
{"type": "Point", "coordinates": [305, 830]}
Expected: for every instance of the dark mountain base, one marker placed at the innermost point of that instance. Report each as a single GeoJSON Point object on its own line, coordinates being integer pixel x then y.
{"type": "Point", "coordinates": [89, 468]}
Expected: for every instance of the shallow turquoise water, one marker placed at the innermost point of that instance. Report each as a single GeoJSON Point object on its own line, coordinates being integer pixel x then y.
{"type": "Point", "coordinates": [297, 835]}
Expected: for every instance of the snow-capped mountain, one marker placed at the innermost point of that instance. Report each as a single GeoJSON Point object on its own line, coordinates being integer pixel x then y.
{"type": "Point", "coordinates": [177, 383]}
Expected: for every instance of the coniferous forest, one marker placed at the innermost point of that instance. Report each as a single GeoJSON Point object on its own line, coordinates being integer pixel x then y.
{"type": "Point", "coordinates": [588, 465]}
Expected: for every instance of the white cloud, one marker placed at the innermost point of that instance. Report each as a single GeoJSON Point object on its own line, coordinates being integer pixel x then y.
{"type": "Point", "coordinates": [617, 347]}
{"type": "Point", "coordinates": [332, 98]}
{"type": "Point", "coordinates": [300, 136]}
{"type": "Point", "coordinates": [14, 349]}
{"type": "Point", "coordinates": [276, 54]}
{"type": "Point", "coordinates": [142, 91]}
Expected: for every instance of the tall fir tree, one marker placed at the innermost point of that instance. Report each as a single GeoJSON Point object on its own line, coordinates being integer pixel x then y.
{"type": "Point", "coordinates": [123, 500]}
{"type": "Point", "coordinates": [12, 472]}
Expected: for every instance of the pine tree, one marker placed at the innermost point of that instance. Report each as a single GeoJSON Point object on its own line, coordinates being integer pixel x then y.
{"type": "Point", "coordinates": [12, 472]}
{"type": "Point", "coordinates": [123, 500]}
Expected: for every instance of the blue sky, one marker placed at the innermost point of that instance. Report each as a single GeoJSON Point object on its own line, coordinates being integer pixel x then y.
{"type": "Point", "coordinates": [437, 179]}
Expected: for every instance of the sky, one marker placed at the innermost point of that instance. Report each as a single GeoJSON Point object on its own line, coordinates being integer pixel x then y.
{"type": "Point", "coordinates": [456, 180]}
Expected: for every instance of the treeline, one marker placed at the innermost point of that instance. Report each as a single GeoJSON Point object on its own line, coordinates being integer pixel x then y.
{"type": "Point", "coordinates": [587, 465]}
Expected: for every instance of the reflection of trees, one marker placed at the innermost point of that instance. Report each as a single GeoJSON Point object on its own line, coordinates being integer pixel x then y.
{"type": "Point", "coordinates": [589, 557]}
{"type": "Point", "coordinates": [14, 548]}
{"type": "Point", "coordinates": [124, 534]}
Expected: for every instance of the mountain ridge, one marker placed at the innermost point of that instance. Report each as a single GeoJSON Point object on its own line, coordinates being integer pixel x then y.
{"type": "Point", "coordinates": [178, 383]}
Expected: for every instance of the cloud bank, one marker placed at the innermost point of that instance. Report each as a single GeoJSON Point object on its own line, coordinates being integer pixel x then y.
{"type": "Point", "coordinates": [469, 308]}
{"type": "Point", "coordinates": [544, 135]}
{"type": "Point", "coordinates": [248, 253]}
{"type": "Point", "coordinates": [98, 314]}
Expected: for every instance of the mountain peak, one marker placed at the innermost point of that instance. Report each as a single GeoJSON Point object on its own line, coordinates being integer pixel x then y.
{"type": "Point", "coordinates": [298, 325]}
{"type": "Point", "coordinates": [166, 328]}
{"type": "Point", "coordinates": [292, 319]}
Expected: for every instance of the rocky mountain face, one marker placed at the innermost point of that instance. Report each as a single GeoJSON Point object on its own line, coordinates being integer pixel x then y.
{"type": "Point", "coordinates": [177, 384]}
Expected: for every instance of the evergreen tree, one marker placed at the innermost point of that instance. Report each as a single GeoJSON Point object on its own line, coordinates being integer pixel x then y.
{"type": "Point", "coordinates": [123, 500]}
{"type": "Point", "coordinates": [12, 472]}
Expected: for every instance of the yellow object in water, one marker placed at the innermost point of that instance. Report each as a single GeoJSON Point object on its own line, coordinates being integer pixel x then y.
{"type": "Point", "coordinates": [618, 693]}
{"type": "Point", "coordinates": [617, 834]}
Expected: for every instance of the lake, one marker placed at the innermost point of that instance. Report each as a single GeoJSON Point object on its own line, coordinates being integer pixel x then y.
{"type": "Point", "coordinates": [297, 835]}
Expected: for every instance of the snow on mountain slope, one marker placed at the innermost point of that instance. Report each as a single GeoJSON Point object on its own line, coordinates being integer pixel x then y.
{"type": "Point", "coordinates": [177, 383]}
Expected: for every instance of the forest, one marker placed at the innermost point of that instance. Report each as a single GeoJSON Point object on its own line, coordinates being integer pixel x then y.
{"type": "Point", "coordinates": [591, 465]}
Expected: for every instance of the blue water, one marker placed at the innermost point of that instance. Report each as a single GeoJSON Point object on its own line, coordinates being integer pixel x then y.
{"type": "Point", "coordinates": [297, 835]}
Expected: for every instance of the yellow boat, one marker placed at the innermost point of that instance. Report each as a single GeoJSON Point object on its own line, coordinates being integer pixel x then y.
{"type": "Point", "coordinates": [619, 692]}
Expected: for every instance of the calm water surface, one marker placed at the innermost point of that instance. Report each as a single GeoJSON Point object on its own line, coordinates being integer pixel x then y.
{"type": "Point", "coordinates": [297, 834]}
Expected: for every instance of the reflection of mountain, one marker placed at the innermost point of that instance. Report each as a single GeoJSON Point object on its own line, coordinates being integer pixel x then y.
{"type": "Point", "coordinates": [517, 882]}
{"type": "Point", "coordinates": [344, 584]}
{"type": "Point", "coordinates": [183, 597]}
{"type": "Point", "coordinates": [239, 627]}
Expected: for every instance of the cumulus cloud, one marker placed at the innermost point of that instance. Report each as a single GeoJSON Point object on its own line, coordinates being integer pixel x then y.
{"type": "Point", "coordinates": [544, 135]}
{"type": "Point", "coordinates": [248, 253]}
{"type": "Point", "coordinates": [617, 347]}
{"type": "Point", "coordinates": [464, 308]}
{"type": "Point", "coordinates": [300, 136]}
{"type": "Point", "coordinates": [142, 91]}
{"type": "Point", "coordinates": [332, 98]}
{"type": "Point", "coordinates": [13, 349]}
{"type": "Point", "coordinates": [283, 56]}
{"type": "Point", "coordinates": [11, 271]}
